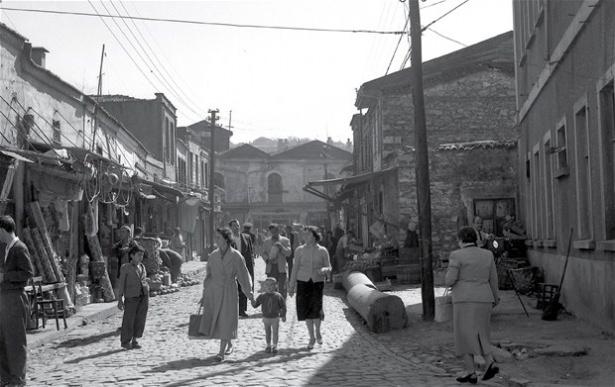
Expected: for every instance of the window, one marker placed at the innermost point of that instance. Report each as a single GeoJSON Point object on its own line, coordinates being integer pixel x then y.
{"type": "Point", "coordinates": [274, 188]}
{"type": "Point", "coordinates": [57, 132]}
{"type": "Point", "coordinates": [205, 175]}
{"type": "Point", "coordinates": [606, 101]}
{"type": "Point", "coordinates": [167, 139]}
{"type": "Point", "coordinates": [494, 212]}
{"type": "Point", "coordinates": [583, 174]}
{"type": "Point", "coordinates": [548, 186]}
{"type": "Point", "coordinates": [181, 170]}
{"type": "Point", "coordinates": [561, 150]}
{"type": "Point", "coordinates": [538, 205]}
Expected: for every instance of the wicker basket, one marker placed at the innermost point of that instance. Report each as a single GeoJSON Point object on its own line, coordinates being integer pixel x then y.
{"type": "Point", "coordinates": [525, 279]}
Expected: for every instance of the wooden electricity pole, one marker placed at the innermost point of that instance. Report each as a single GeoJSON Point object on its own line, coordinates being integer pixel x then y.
{"type": "Point", "coordinates": [422, 163]}
{"type": "Point", "coordinates": [212, 174]}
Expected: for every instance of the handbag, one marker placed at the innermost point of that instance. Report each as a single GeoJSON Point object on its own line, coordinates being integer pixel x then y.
{"type": "Point", "coordinates": [444, 307]}
{"type": "Point", "coordinates": [194, 324]}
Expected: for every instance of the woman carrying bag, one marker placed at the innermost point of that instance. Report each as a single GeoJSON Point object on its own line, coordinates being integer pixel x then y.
{"type": "Point", "coordinates": [472, 275]}
{"type": "Point", "coordinates": [225, 267]}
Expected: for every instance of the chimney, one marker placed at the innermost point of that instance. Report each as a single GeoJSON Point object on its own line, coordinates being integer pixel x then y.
{"type": "Point", "coordinates": [329, 140]}
{"type": "Point", "coordinates": [38, 55]}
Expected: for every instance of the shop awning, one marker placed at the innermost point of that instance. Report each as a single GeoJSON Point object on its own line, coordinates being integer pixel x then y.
{"type": "Point", "coordinates": [158, 189]}
{"type": "Point", "coordinates": [342, 181]}
{"type": "Point", "coordinates": [16, 156]}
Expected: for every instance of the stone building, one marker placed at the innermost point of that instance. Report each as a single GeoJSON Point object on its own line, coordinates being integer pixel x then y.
{"type": "Point", "coordinates": [264, 188]}
{"type": "Point", "coordinates": [470, 110]}
{"type": "Point", "coordinates": [565, 65]}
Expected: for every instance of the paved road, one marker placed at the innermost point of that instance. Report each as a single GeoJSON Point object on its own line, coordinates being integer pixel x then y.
{"type": "Point", "coordinates": [350, 355]}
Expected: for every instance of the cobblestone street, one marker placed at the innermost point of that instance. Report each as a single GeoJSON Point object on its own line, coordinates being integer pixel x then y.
{"type": "Point", "coordinates": [350, 355]}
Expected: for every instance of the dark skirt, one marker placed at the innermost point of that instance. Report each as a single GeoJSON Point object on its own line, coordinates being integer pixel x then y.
{"type": "Point", "coordinates": [309, 300]}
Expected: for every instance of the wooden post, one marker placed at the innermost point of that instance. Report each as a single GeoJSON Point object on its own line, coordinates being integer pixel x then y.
{"type": "Point", "coordinates": [422, 164]}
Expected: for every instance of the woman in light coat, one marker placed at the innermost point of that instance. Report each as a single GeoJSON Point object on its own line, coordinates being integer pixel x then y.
{"type": "Point", "coordinates": [310, 269]}
{"type": "Point", "coordinates": [225, 267]}
{"type": "Point", "coordinates": [473, 278]}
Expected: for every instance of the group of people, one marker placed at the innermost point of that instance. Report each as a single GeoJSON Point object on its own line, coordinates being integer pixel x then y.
{"type": "Point", "coordinates": [229, 283]}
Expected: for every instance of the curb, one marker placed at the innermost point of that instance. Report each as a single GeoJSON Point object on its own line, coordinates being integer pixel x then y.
{"type": "Point", "coordinates": [77, 321]}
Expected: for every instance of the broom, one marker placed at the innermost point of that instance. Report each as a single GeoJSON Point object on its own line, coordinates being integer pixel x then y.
{"type": "Point", "coordinates": [553, 307]}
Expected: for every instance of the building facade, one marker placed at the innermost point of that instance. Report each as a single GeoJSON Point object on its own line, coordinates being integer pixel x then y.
{"type": "Point", "coordinates": [470, 110]}
{"type": "Point", "coordinates": [264, 188]}
{"type": "Point", "coordinates": [564, 58]}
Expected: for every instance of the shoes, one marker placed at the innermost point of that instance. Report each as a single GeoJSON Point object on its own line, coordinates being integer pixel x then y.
{"type": "Point", "coordinates": [135, 344]}
{"type": "Point", "coordinates": [319, 339]}
{"type": "Point", "coordinates": [311, 344]}
{"type": "Point", "coordinates": [491, 371]}
{"type": "Point", "coordinates": [268, 349]}
{"type": "Point", "coordinates": [127, 346]}
{"type": "Point", "coordinates": [218, 358]}
{"type": "Point", "coordinates": [469, 378]}
{"type": "Point", "coordinates": [243, 314]}
{"type": "Point", "coordinates": [229, 350]}
{"type": "Point", "coordinates": [274, 349]}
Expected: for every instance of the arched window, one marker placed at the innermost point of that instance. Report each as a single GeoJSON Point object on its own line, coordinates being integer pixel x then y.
{"type": "Point", "coordinates": [274, 188]}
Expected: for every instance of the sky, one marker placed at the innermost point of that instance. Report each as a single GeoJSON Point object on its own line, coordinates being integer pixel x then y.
{"type": "Point", "coordinates": [277, 83]}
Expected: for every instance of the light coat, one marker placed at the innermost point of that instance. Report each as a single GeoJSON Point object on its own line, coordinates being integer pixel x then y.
{"type": "Point", "coordinates": [220, 301]}
{"type": "Point", "coordinates": [132, 283]}
{"type": "Point", "coordinates": [280, 257]}
{"type": "Point", "coordinates": [472, 275]}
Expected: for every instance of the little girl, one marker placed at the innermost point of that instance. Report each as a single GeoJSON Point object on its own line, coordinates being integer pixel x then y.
{"type": "Point", "coordinates": [273, 307]}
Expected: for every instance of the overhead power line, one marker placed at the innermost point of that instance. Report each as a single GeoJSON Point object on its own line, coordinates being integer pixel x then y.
{"type": "Point", "coordinates": [397, 46]}
{"type": "Point", "coordinates": [207, 23]}
{"type": "Point", "coordinates": [443, 16]}
{"type": "Point", "coordinates": [447, 37]}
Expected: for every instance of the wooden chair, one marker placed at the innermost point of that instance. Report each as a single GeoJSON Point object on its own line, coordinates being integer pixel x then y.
{"type": "Point", "coordinates": [41, 306]}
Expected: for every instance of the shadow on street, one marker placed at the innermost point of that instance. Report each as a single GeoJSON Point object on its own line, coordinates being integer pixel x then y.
{"type": "Point", "coordinates": [94, 356]}
{"type": "Point", "coordinates": [256, 360]}
{"type": "Point", "coordinates": [78, 342]}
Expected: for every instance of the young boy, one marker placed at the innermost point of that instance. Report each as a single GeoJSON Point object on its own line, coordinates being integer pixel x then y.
{"type": "Point", "coordinates": [134, 287]}
{"type": "Point", "coordinates": [273, 307]}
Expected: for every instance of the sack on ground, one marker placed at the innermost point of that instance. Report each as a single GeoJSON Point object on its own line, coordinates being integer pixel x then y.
{"type": "Point", "coordinates": [444, 307]}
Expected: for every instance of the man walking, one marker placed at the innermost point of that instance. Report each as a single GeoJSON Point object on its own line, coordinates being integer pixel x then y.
{"type": "Point", "coordinates": [275, 251]}
{"type": "Point", "coordinates": [243, 243]}
{"type": "Point", "coordinates": [15, 271]}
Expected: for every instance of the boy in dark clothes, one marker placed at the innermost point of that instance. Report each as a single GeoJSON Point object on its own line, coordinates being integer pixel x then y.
{"type": "Point", "coordinates": [273, 307]}
{"type": "Point", "coordinates": [133, 286]}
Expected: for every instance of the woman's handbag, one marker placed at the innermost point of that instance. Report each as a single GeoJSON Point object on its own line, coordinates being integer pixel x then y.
{"type": "Point", "coordinates": [195, 324]}
{"type": "Point", "coordinates": [444, 307]}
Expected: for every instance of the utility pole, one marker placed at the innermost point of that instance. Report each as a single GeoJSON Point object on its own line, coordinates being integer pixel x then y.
{"type": "Point", "coordinates": [212, 174]}
{"type": "Point", "coordinates": [99, 92]}
{"type": "Point", "coordinates": [421, 163]}
{"type": "Point", "coordinates": [230, 119]}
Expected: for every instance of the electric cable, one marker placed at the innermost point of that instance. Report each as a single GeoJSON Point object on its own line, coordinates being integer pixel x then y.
{"type": "Point", "coordinates": [150, 65]}
{"type": "Point", "coordinates": [443, 15]}
{"type": "Point", "coordinates": [447, 38]}
{"type": "Point", "coordinates": [397, 46]}
{"type": "Point", "coordinates": [219, 24]}
{"type": "Point", "coordinates": [153, 52]}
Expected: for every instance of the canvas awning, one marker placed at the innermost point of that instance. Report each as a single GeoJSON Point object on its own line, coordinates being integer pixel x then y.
{"type": "Point", "coordinates": [342, 181]}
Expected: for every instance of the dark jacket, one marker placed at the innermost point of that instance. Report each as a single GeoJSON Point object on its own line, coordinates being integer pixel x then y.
{"type": "Point", "coordinates": [247, 249]}
{"type": "Point", "coordinates": [18, 267]}
{"type": "Point", "coordinates": [273, 304]}
{"type": "Point", "coordinates": [131, 283]}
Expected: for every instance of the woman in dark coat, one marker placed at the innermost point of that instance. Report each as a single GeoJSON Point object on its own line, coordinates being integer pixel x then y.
{"type": "Point", "coordinates": [473, 278]}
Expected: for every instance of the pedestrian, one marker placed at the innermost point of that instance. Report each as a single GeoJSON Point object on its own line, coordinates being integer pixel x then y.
{"type": "Point", "coordinates": [310, 269]}
{"type": "Point", "coordinates": [294, 243]}
{"type": "Point", "coordinates": [472, 275]}
{"type": "Point", "coordinates": [177, 243]}
{"type": "Point", "coordinates": [482, 238]}
{"type": "Point", "coordinates": [225, 267]}
{"type": "Point", "coordinates": [341, 250]}
{"type": "Point", "coordinates": [247, 229]}
{"type": "Point", "coordinates": [243, 243]}
{"type": "Point", "coordinates": [120, 250]}
{"type": "Point", "coordinates": [134, 288]}
{"type": "Point", "coordinates": [275, 250]}
{"type": "Point", "coordinates": [171, 259]}
{"type": "Point", "coordinates": [15, 271]}
{"type": "Point", "coordinates": [273, 308]}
